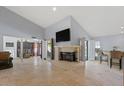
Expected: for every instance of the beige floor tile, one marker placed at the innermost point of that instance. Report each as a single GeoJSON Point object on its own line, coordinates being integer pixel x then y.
{"type": "Point", "coordinates": [34, 71]}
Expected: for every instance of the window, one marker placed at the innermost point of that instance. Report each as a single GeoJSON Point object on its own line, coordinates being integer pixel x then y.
{"type": "Point", "coordinates": [97, 44]}
{"type": "Point", "coordinates": [9, 44]}
{"type": "Point", "coordinates": [97, 49]}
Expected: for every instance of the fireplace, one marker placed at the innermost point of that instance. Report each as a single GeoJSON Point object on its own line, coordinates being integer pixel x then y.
{"type": "Point", "coordinates": [67, 53]}
{"type": "Point", "coordinates": [67, 56]}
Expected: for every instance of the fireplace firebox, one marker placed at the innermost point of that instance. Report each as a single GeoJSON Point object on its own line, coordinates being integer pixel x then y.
{"type": "Point", "coordinates": [67, 56]}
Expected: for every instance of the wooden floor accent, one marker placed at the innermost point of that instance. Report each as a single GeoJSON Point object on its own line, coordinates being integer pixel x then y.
{"type": "Point", "coordinates": [34, 71]}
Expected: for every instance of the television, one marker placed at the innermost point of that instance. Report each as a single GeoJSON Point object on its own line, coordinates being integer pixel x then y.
{"type": "Point", "coordinates": [63, 35]}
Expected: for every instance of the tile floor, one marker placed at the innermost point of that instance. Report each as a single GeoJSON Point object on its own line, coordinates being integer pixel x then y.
{"type": "Point", "coordinates": [34, 71]}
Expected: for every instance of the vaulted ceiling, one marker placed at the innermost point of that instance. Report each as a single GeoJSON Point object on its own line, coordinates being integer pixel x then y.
{"type": "Point", "coordinates": [96, 20]}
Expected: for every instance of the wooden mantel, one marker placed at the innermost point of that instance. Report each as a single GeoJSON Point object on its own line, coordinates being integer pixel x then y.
{"type": "Point", "coordinates": [74, 46]}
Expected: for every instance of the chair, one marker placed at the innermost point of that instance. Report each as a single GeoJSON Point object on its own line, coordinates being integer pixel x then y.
{"type": "Point", "coordinates": [5, 60]}
{"type": "Point", "coordinates": [116, 55]}
{"type": "Point", "coordinates": [104, 57]}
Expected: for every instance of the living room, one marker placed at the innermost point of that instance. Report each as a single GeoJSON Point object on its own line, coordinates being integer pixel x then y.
{"type": "Point", "coordinates": [75, 44]}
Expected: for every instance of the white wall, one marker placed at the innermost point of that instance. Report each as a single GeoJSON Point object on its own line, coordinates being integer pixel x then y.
{"type": "Point", "coordinates": [13, 50]}
{"type": "Point", "coordinates": [61, 25]}
{"type": "Point", "coordinates": [1, 42]}
{"type": "Point", "coordinates": [12, 24]}
{"type": "Point", "coordinates": [77, 31]}
{"type": "Point", "coordinates": [107, 42]}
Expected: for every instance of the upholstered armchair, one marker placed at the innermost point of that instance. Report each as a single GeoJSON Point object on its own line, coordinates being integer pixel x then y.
{"type": "Point", "coordinates": [116, 55]}
{"type": "Point", "coordinates": [105, 56]}
{"type": "Point", "coordinates": [5, 60]}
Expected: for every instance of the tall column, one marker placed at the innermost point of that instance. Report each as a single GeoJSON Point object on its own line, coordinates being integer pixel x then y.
{"type": "Point", "coordinates": [123, 69]}
{"type": "Point", "coordinates": [21, 48]}
{"type": "Point", "coordinates": [91, 50]}
{"type": "Point", "coordinates": [44, 52]}
{"type": "Point", "coordinates": [82, 49]}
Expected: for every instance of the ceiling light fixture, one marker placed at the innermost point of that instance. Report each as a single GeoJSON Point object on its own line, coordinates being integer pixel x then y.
{"type": "Point", "coordinates": [54, 9]}
{"type": "Point", "coordinates": [122, 27]}
{"type": "Point", "coordinates": [122, 30]}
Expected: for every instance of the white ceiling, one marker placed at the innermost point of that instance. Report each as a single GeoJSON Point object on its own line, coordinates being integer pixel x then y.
{"type": "Point", "coordinates": [97, 21]}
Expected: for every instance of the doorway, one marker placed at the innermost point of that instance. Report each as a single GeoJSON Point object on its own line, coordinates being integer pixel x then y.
{"type": "Point", "coordinates": [31, 47]}
{"type": "Point", "coordinates": [22, 47]}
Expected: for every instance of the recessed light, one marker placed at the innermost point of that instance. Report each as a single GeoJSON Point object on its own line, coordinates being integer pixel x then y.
{"type": "Point", "coordinates": [54, 9]}
{"type": "Point", "coordinates": [122, 27]}
{"type": "Point", "coordinates": [122, 32]}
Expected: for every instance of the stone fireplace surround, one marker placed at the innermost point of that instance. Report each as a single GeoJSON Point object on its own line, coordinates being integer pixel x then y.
{"type": "Point", "coordinates": [67, 49]}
